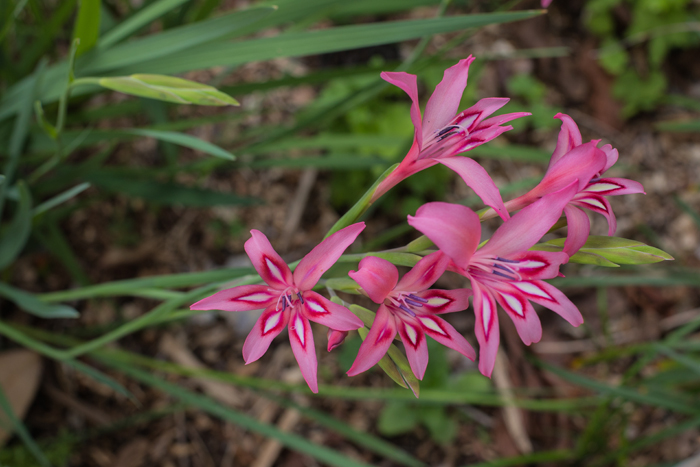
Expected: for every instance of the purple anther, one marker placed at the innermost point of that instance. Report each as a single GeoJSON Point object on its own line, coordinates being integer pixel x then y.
{"type": "Point", "coordinates": [504, 260]}
{"type": "Point", "coordinates": [417, 298]}
{"type": "Point", "coordinates": [447, 129]}
{"type": "Point", "coordinates": [413, 303]}
{"type": "Point", "coordinates": [301, 298]}
{"type": "Point", "coordinates": [503, 275]}
{"type": "Point", "coordinates": [407, 310]}
{"type": "Point", "coordinates": [503, 268]}
{"type": "Point", "coordinates": [284, 305]}
{"type": "Point", "coordinates": [594, 180]}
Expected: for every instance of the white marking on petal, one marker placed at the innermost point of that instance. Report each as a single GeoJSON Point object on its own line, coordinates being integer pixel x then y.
{"type": "Point", "coordinates": [257, 297]}
{"type": "Point", "coordinates": [530, 264]}
{"type": "Point", "coordinates": [274, 270]}
{"type": "Point", "coordinates": [438, 301]}
{"type": "Point", "coordinates": [272, 322]}
{"type": "Point", "coordinates": [412, 335]}
{"type": "Point", "coordinates": [592, 202]}
{"type": "Point", "coordinates": [299, 329]}
{"type": "Point", "coordinates": [514, 304]}
{"type": "Point", "coordinates": [532, 289]}
{"type": "Point", "coordinates": [486, 313]}
{"type": "Point", "coordinates": [432, 325]}
{"type": "Point", "coordinates": [597, 187]}
{"type": "Point", "coordinates": [316, 306]}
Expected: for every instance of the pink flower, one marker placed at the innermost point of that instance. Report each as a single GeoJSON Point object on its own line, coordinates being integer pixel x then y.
{"type": "Point", "coordinates": [586, 163]}
{"type": "Point", "coordinates": [288, 299]}
{"type": "Point", "coordinates": [441, 135]}
{"type": "Point", "coordinates": [409, 308]}
{"type": "Point", "coordinates": [503, 270]}
{"type": "Point", "coordinates": [546, 3]}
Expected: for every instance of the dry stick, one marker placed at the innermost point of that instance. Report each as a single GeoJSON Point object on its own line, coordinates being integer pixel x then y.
{"type": "Point", "coordinates": [512, 415]}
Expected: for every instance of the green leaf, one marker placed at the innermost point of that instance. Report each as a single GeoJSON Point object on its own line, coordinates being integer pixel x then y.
{"type": "Point", "coordinates": [22, 431]}
{"type": "Point", "coordinates": [397, 418]}
{"type": "Point", "coordinates": [100, 377]}
{"type": "Point", "coordinates": [143, 17]}
{"type": "Point", "coordinates": [690, 126]}
{"type": "Point", "coordinates": [33, 305]}
{"type": "Point", "coordinates": [185, 140]}
{"type": "Point", "coordinates": [87, 25]}
{"type": "Point", "coordinates": [16, 235]}
{"type": "Point", "coordinates": [612, 251]}
{"type": "Point", "coordinates": [59, 199]}
{"type": "Point", "coordinates": [168, 88]}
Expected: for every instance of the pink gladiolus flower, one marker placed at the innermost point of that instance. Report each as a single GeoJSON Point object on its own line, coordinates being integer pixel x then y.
{"type": "Point", "coordinates": [409, 308]}
{"type": "Point", "coordinates": [288, 299]}
{"type": "Point", "coordinates": [503, 270]}
{"type": "Point", "coordinates": [441, 135]}
{"type": "Point", "coordinates": [573, 160]}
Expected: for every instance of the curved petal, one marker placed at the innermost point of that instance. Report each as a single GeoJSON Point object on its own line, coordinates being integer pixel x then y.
{"type": "Point", "coordinates": [302, 341]}
{"type": "Point", "coordinates": [569, 138]}
{"type": "Point", "coordinates": [413, 338]}
{"type": "Point", "coordinates": [241, 298]}
{"type": "Point", "coordinates": [614, 187]}
{"type": "Point", "coordinates": [472, 118]}
{"type": "Point", "coordinates": [377, 342]}
{"type": "Point", "coordinates": [408, 83]}
{"type": "Point", "coordinates": [445, 301]}
{"type": "Point", "coordinates": [377, 277]}
{"type": "Point", "coordinates": [500, 119]}
{"type": "Point", "coordinates": [454, 228]}
{"type": "Point", "coordinates": [550, 297]}
{"type": "Point", "coordinates": [424, 273]}
{"type": "Point", "coordinates": [268, 326]}
{"type": "Point", "coordinates": [600, 205]}
{"type": "Point", "coordinates": [524, 317]}
{"type": "Point", "coordinates": [445, 334]}
{"type": "Point", "coordinates": [477, 138]}
{"type": "Point", "coordinates": [267, 262]}
{"type": "Point", "coordinates": [611, 155]}
{"type": "Point", "coordinates": [478, 180]}
{"type": "Point", "coordinates": [579, 226]}
{"type": "Point", "coordinates": [581, 163]}
{"type": "Point", "coordinates": [444, 103]}
{"type": "Point", "coordinates": [528, 226]}
{"type": "Point", "coordinates": [538, 264]}
{"type": "Point", "coordinates": [485, 328]}
{"type": "Point", "coordinates": [335, 338]}
{"type": "Point", "coordinates": [324, 255]}
{"type": "Point", "coordinates": [322, 311]}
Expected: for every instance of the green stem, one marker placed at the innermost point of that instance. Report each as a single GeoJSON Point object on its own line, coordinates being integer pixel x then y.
{"type": "Point", "coordinates": [63, 101]}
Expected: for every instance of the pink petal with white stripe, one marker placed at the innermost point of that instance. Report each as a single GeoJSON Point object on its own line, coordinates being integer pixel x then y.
{"type": "Point", "coordinates": [302, 341]}
{"type": "Point", "coordinates": [445, 334]}
{"type": "Point", "coordinates": [445, 301]}
{"type": "Point", "coordinates": [408, 83]}
{"type": "Point", "coordinates": [267, 262]}
{"type": "Point", "coordinates": [444, 102]}
{"type": "Point", "coordinates": [322, 311]}
{"type": "Point", "coordinates": [414, 342]}
{"type": "Point", "coordinates": [424, 273]}
{"type": "Point", "coordinates": [454, 228]}
{"type": "Point", "coordinates": [550, 297]}
{"type": "Point", "coordinates": [241, 298]}
{"type": "Point", "coordinates": [524, 317]}
{"type": "Point", "coordinates": [486, 328]}
{"type": "Point", "coordinates": [569, 138]}
{"type": "Point", "coordinates": [578, 228]}
{"type": "Point", "coordinates": [482, 109]}
{"type": "Point", "coordinates": [600, 205]}
{"type": "Point", "coordinates": [324, 255]}
{"type": "Point", "coordinates": [377, 342]}
{"type": "Point", "coordinates": [476, 178]}
{"type": "Point", "coordinates": [614, 187]}
{"type": "Point", "coordinates": [376, 276]}
{"type": "Point", "coordinates": [500, 120]}
{"type": "Point", "coordinates": [581, 163]}
{"type": "Point", "coordinates": [538, 264]}
{"type": "Point", "coordinates": [268, 326]}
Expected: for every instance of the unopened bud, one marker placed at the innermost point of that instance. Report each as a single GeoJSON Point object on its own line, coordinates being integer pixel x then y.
{"type": "Point", "coordinates": [335, 338]}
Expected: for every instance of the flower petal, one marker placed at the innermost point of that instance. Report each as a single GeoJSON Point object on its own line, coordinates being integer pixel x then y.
{"type": "Point", "coordinates": [377, 342]}
{"type": "Point", "coordinates": [267, 262]}
{"type": "Point", "coordinates": [241, 298]}
{"type": "Point", "coordinates": [322, 311]}
{"type": "Point", "coordinates": [408, 83]}
{"type": "Point", "coordinates": [478, 180]}
{"type": "Point", "coordinates": [444, 103]}
{"type": "Point", "coordinates": [569, 138]}
{"type": "Point", "coordinates": [500, 120]}
{"type": "Point", "coordinates": [445, 334]}
{"type": "Point", "coordinates": [424, 273]}
{"type": "Point", "coordinates": [550, 297]}
{"type": "Point", "coordinates": [614, 187]}
{"type": "Point", "coordinates": [268, 326]}
{"type": "Point", "coordinates": [538, 264]}
{"type": "Point", "coordinates": [445, 301]}
{"type": "Point", "coordinates": [454, 228]}
{"type": "Point", "coordinates": [413, 338]}
{"type": "Point", "coordinates": [600, 205]}
{"type": "Point", "coordinates": [335, 338]}
{"type": "Point", "coordinates": [301, 339]}
{"type": "Point", "coordinates": [471, 118]}
{"type": "Point", "coordinates": [579, 226]}
{"type": "Point", "coordinates": [611, 155]}
{"type": "Point", "coordinates": [524, 317]}
{"type": "Point", "coordinates": [581, 163]}
{"type": "Point", "coordinates": [377, 277]}
{"type": "Point", "coordinates": [324, 255]}
{"type": "Point", "coordinates": [526, 227]}
{"type": "Point", "coordinates": [485, 328]}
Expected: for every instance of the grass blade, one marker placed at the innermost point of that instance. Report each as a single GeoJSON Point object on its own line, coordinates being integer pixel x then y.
{"type": "Point", "coordinates": [33, 305]}
{"type": "Point", "coordinates": [185, 140]}
{"type": "Point", "coordinates": [101, 378]}
{"type": "Point", "coordinates": [143, 17]}
{"type": "Point", "coordinates": [22, 431]}
{"type": "Point", "coordinates": [59, 199]}
{"type": "Point", "coordinates": [87, 25]}
{"type": "Point", "coordinates": [15, 236]}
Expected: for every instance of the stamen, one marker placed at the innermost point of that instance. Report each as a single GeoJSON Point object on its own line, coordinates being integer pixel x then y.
{"type": "Point", "coordinates": [593, 180]}
{"type": "Point", "coordinates": [301, 298]}
{"type": "Point", "coordinates": [284, 305]}
{"type": "Point", "coordinates": [503, 275]}
{"type": "Point", "coordinates": [407, 309]}
{"type": "Point", "coordinates": [504, 260]}
{"type": "Point", "coordinates": [503, 268]}
{"type": "Point", "coordinates": [413, 303]}
{"type": "Point", "coordinates": [417, 298]}
{"type": "Point", "coordinates": [446, 129]}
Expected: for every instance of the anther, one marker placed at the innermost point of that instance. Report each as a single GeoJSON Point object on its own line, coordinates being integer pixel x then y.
{"type": "Point", "coordinates": [446, 129]}
{"type": "Point", "coordinates": [301, 299]}
{"type": "Point", "coordinates": [503, 260]}
{"type": "Point", "coordinates": [503, 268]}
{"type": "Point", "coordinates": [503, 275]}
{"type": "Point", "coordinates": [417, 298]}
{"type": "Point", "coordinates": [407, 309]}
{"type": "Point", "coordinates": [413, 303]}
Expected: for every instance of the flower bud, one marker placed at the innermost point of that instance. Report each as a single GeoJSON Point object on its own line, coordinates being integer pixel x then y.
{"type": "Point", "coordinates": [335, 338]}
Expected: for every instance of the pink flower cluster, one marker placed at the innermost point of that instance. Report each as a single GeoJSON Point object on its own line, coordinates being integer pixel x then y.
{"type": "Point", "coordinates": [503, 271]}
